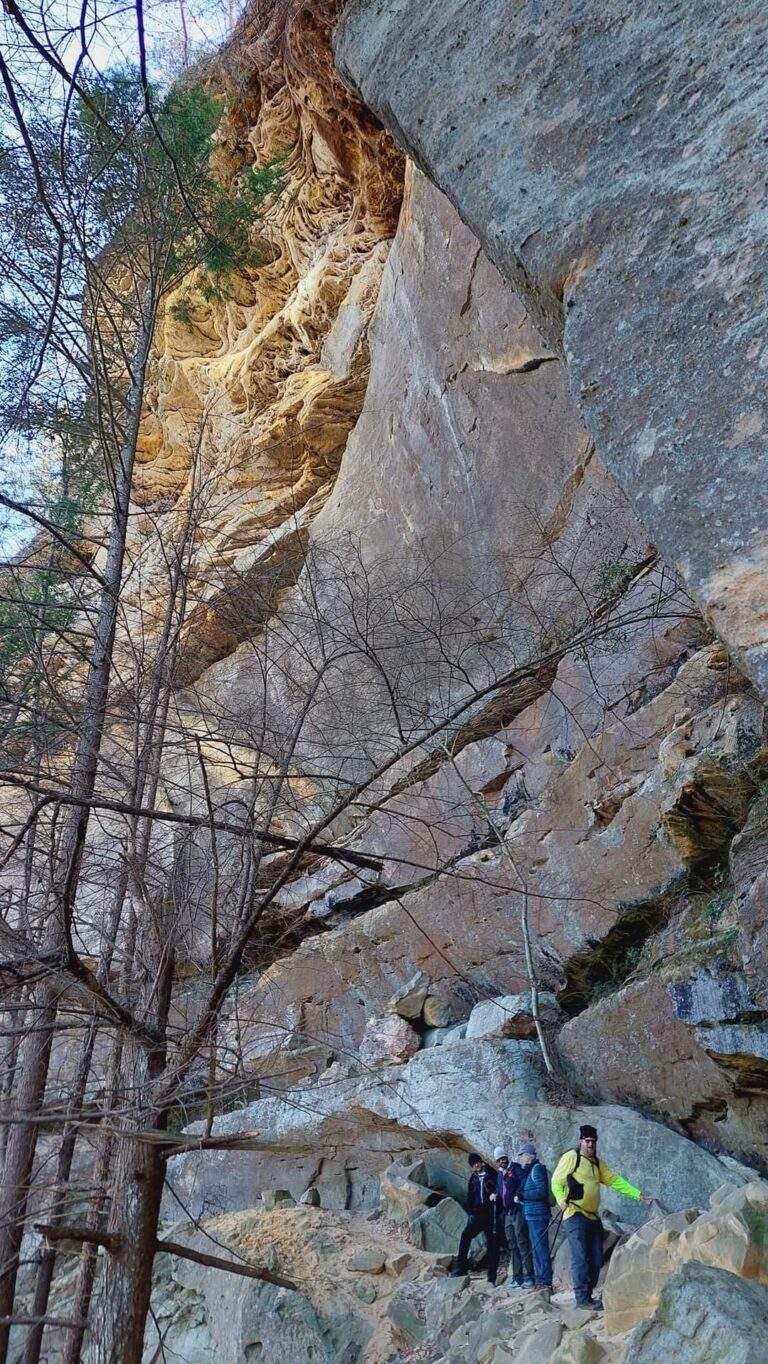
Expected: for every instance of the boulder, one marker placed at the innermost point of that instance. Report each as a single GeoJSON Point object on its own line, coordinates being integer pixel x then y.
{"type": "Point", "coordinates": [409, 1001]}
{"type": "Point", "coordinates": [676, 1075]}
{"type": "Point", "coordinates": [640, 1268]}
{"type": "Point", "coordinates": [579, 1347]}
{"type": "Point", "coordinates": [440, 1011]}
{"type": "Point", "coordinates": [251, 1320]}
{"type": "Point", "coordinates": [437, 1229]}
{"type": "Point", "coordinates": [388, 1039]}
{"type": "Point", "coordinates": [510, 1016]}
{"type": "Point", "coordinates": [185, 1335]}
{"type": "Point", "coordinates": [367, 1292]}
{"type": "Point", "coordinates": [277, 1198]}
{"type": "Point", "coordinates": [368, 1261]}
{"type": "Point", "coordinates": [537, 1345]}
{"type": "Point", "coordinates": [443, 1037]}
{"type": "Point", "coordinates": [704, 1315]}
{"type": "Point", "coordinates": [492, 1331]}
{"type": "Point", "coordinates": [397, 1264]}
{"type": "Point", "coordinates": [732, 1235]}
{"type": "Point", "coordinates": [310, 1197]}
{"type": "Point", "coordinates": [450, 1304]}
{"type": "Point", "coordinates": [404, 1189]}
{"type": "Point", "coordinates": [403, 1312]}
{"type": "Point", "coordinates": [576, 1317]}
{"type": "Point", "coordinates": [447, 1171]}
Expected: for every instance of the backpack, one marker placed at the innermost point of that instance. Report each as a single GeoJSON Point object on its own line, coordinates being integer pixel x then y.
{"type": "Point", "coordinates": [574, 1185]}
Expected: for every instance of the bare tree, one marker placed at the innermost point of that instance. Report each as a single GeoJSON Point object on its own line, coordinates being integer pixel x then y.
{"type": "Point", "coordinates": [110, 204]}
{"type": "Point", "coordinates": [158, 823]}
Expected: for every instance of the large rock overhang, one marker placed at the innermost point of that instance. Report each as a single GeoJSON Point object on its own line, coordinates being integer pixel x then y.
{"type": "Point", "coordinates": [612, 160]}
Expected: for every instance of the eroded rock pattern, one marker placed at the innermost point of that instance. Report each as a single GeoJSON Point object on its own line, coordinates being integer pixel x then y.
{"type": "Point", "coordinates": [255, 395]}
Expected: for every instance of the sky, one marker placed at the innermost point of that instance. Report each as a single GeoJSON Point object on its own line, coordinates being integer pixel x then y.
{"type": "Point", "coordinates": [110, 28]}
{"type": "Point", "coordinates": [173, 29]}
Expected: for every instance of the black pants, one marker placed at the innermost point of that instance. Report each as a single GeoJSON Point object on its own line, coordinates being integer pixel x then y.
{"type": "Point", "coordinates": [479, 1226]}
{"type": "Point", "coordinates": [585, 1241]}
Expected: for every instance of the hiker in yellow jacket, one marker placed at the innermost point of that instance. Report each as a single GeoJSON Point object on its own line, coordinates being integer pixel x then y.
{"type": "Point", "coordinates": [576, 1186]}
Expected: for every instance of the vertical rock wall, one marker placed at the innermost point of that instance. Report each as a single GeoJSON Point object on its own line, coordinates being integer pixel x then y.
{"type": "Point", "coordinates": [612, 161]}
{"type": "Point", "coordinates": [468, 459]}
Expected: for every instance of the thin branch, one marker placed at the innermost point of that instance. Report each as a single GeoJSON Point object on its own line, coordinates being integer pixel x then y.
{"type": "Point", "coordinates": [51, 1235]}
{"type": "Point", "coordinates": [243, 1139]}
{"type": "Point", "coordinates": [193, 821]}
{"type": "Point", "coordinates": [229, 1266]}
{"type": "Point", "coordinates": [53, 530]}
{"type": "Point", "coordinates": [61, 1322]}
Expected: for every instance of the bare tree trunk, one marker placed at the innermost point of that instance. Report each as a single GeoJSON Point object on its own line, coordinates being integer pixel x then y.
{"type": "Point", "coordinates": [35, 1055]}
{"type": "Point", "coordinates": [17, 1009]}
{"type": "Point", "coordinates": [56, 1214]}
{"type": "Point", "coordinates": [136, 1190]}
{"type": "Point", "coordinates": [126, 1285]}
{"type": "Point", "coordinates": [73, 1344]}
{"type": "Point", "coordinates": [20, 1151]}
{"type": "Point", "coordinates": [184, 33]}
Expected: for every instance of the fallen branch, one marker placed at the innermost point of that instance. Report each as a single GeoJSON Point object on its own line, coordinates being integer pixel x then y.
{"type": "Point", "coordinates": [113, 1243]}
{"type": "Point", "coordinates": [41, 1321]}
{"type": "Point", "coordinates": [78, 1234]}
{"type": "Point", "coordinates": [243, 1139]}
{"type": "Point", "coordinates": [230, 1266]}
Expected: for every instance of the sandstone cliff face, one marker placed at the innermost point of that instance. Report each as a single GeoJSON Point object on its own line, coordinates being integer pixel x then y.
{"type": "Point", "coordinates": [611, 163]}
{"type": "Point", "coordinates": [393, 505]}
{"type": "Point", "coordinates": [255, 396]}
{"type": "Point", "coordinates": [440, 448]}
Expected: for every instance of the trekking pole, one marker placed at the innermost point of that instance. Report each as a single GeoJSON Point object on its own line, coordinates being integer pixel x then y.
{"type": "Point", "coordinates": [559, 1219]}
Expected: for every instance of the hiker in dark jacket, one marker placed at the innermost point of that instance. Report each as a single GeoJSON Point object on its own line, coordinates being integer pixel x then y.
{"type": "Point", "coordinates": [535, 1196]}
{"type": "Point", "coordinates": [509, 1214]}
{"type": "Point", "coordinates": [481, 1214]}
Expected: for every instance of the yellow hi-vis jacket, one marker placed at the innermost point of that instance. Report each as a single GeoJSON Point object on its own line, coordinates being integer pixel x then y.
{"type": "Point", "coordinates": [590, 1173]}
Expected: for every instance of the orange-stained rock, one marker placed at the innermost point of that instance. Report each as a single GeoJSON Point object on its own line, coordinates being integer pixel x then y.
{"type": "Point", "coordinates": [252, 397]}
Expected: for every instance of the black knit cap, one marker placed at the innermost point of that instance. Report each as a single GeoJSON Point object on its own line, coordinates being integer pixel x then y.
{"type": "Point", "coordinates": [587, 1131]}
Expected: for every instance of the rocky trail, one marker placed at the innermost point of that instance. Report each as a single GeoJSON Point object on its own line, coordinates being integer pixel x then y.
{"type": "Point", "coordinates": [690, 1285]}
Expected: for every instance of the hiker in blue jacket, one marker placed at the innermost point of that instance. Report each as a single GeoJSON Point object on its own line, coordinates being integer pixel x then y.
{"type": "Point", "coordinates": [509, 1215]}
{"type": "Point", "coordinates": [535, 1196]}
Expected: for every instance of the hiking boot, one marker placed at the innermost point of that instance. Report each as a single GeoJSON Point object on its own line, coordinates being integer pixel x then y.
{"type": "Point", "coordinates": [516, 1283]}
{"type": "Point", "coordinates": [527, 1283]}
{"type": "Point", "coordinates": [594, 1305]}
{"type": "Point", "coordinates": [458, 1273]}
